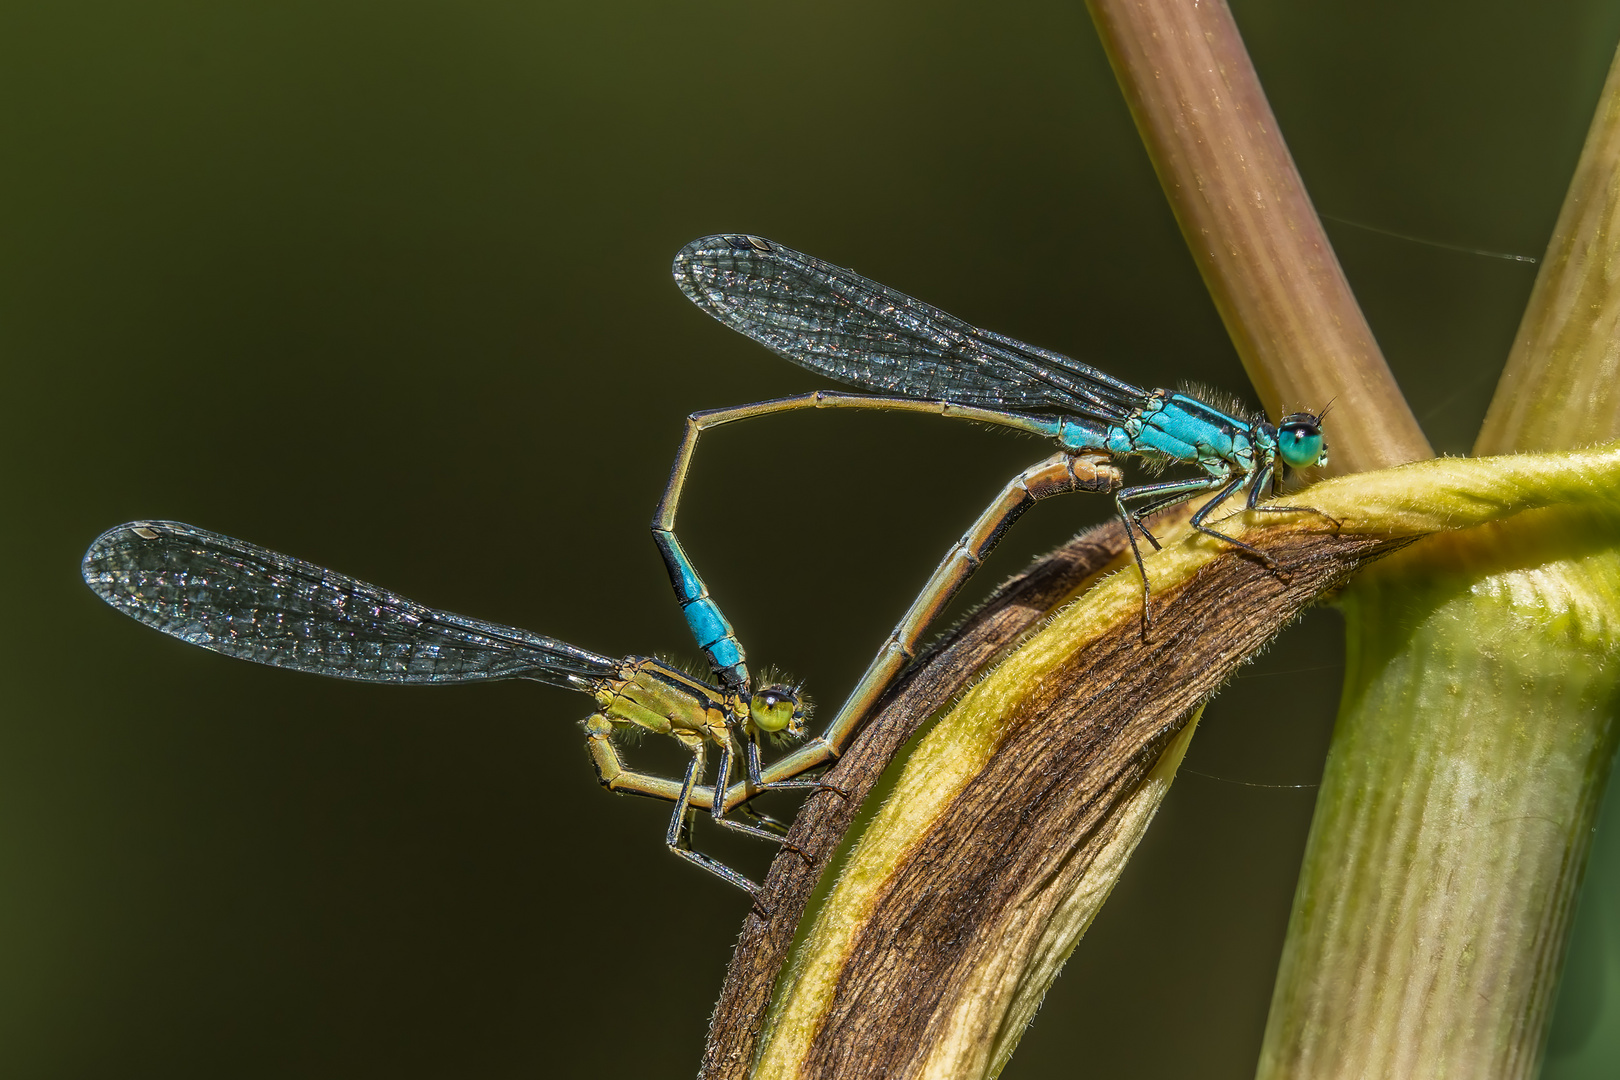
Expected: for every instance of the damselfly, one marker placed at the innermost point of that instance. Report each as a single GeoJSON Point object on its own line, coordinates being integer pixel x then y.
{"type": "Point", "coordinates": [252, 603]}
{"type": "Point", "coordinates": [255, 604]}
{"type": "Point", "coordinates": [916, 358]}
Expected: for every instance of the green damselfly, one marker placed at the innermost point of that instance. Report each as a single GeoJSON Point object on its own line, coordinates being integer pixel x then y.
{"type": "Point", "coordinates": [252, 603]}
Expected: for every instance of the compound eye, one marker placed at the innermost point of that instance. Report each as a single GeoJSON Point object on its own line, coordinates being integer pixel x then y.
{"type": "Point", "coordinates": [776, 708]}
{"type": "Point", "coordinates": [1300, 443]}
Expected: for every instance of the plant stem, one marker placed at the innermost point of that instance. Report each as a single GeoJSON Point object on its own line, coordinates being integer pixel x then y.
{"type": "Point", "coordinates": [1476, 732]}
{"type": "Point", "coordinates": [938, 676]}
{"type": "Point", "coordinates": [1561, 386]}
{"type": "Point", "coordinates": [1456, 807]}
{"type": "Point", "coordinates": [1250, 225]}
{"type": "Point", "coordinates": [1013, 818]}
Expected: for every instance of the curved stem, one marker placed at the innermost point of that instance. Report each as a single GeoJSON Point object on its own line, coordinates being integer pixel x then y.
{"type": "Point", "coordinates": [1561, 386]}
{"type": "Point", "coordinates": [1477, 729]}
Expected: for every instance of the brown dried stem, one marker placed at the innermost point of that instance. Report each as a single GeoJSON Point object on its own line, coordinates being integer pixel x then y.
{"type": "Point", "coordinates": [943, 966]}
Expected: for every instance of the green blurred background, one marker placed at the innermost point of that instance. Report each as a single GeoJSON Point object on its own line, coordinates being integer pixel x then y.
{"type": "Point", "coordinates": [385, 286]}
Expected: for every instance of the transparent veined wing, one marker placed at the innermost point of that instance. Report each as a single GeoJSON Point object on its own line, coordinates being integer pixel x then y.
{"type": "Point", "coordinates": [256, 604]}
{"type": "Point", "coordinates": [836, 322]}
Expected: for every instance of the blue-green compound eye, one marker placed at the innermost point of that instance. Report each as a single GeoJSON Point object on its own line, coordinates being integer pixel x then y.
{"type": "Point", "coordinates": [1299, 441]}
{"type": "Point", "coordinates": [776, 708]}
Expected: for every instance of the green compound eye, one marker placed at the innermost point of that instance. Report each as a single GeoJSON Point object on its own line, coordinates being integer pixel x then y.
{"type": "Point", "coordinates": [776, 708]}
{"type": "Point", "coordinates": [1299, 441]}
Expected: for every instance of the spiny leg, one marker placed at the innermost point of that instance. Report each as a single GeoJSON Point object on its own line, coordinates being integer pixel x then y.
{"type": "Point", "coordinates": [1174, 492]}
{"type": "Point", "coordinates": [1260, 480]}
{"type": "Point", "coordinates": [775, 826]}
{"type": "Point", "coordinates": [612, 774]}
{"type": "Point", "coordinates": [756, 774]}
{"type": "Point", "coordinates": [1197, 521]}
{"type": "Point", "coordinates": [717, 807]}
{"type": "Point", "coordinates": [1252, 504]}
{"type": "Point", "coordinates": [1179, 491]}
{"type": "Point", "coordinates": [1323, 514]}
{"type": "Point", "coordinates": [678, 838]}
{"type": "Point", "coordinates": [1171, 493]}
{"type": "Point", "coordinates": [1260, 485]}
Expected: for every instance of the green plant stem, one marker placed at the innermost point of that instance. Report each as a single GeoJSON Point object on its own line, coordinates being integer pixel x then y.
{"type": "Point", "coordinates": [1476, 732]}
{"type": "Point", "coordinates": [1466, 771]}
{"type": "Point", "coordinates": [1560, 388]}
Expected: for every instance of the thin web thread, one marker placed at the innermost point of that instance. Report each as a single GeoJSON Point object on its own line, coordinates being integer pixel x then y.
{"type": "Point", "coordinates": [1460, 248]}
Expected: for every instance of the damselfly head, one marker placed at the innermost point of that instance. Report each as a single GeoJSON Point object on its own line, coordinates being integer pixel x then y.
{"type": "Point", "coordinates": [1299, 440]}
{"type": "Point", "coordinates": [778, 709]}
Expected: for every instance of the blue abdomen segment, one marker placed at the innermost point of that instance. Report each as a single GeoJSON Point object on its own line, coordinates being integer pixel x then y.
{"type": "Point", "coordinates": [1074, 433]}
{"type": "Point", "coordinates": [709, 627]}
